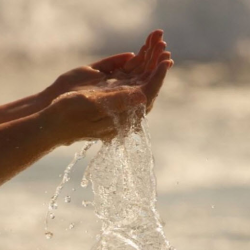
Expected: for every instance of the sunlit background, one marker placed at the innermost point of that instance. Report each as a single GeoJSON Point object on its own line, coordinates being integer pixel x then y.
{"type": "Point", "coordinates": [200, 125]}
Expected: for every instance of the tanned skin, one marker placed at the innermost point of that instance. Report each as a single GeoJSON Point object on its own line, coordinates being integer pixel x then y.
{"type": "Point", "coordinates": [72, 108]}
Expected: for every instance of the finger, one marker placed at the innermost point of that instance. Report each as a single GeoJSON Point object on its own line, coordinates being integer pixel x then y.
{"type": "Point", "coordinates": [135, 61]}
{"type": "Point", "coordinates": [109, 64]}
{"type": "Point", "coordinates": [152, 41]}
{"type": "Point", "coordinates": [152, 62]}
{"type": "Point", "coordinates": [147, 43]}
{"type": "Point", "coordinates": [155, 38]}
{"type": "Point", "coordinates": [151, 89]}
{"type": "Point", "coordinates": [165, 55]}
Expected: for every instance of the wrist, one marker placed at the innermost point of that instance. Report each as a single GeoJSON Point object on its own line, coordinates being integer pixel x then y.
{"type": "Point", "coordinates": [47, 96]}
{"type": "Point", "coordinates": [60, 126]}
{"type": "Point", "coordinates": [51, 125]}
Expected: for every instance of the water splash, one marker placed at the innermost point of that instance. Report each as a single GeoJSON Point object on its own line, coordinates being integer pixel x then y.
{"type": "Point", "coordinates": [66, 177]}
{"type": "Point", "coordinates": [124, 189]}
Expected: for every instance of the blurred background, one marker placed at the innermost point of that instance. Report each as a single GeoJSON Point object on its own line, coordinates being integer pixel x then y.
{"type": "Point", "coordinates": [199, 126]}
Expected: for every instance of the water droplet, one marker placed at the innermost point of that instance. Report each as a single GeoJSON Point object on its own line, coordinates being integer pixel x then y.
{"type": "Point", "coordinates": [86, 231]}
{"type": "Point", "coordinates": [67, 199]}
{"type": "Point", "coordinates": [84, 182]}
{"type": "Point", "coordinates": [66, 178]}
{"type": "Point", "coordinates": [48, 235]}
{"type": "Point", "coordinates": [78, 156]}
{"type": "Point", "coordinates": [86, 203]}
{"type": "Point", "coordinates": [52, 216]}
{"type": "Point", "coordinates": [172, 248]}
{"type": "Point", "coordinates": [71, 225]}
{"type": "Point", "coordinates": [60, 175]}
{"type": "Point", "coordinates": [53, 205]}
{"type": "Point", "coordinates": [212, 206]}
{"type": "Point", "coordinates": [40, 127]}
{"type": "Point", "coordinates": [73, 189]}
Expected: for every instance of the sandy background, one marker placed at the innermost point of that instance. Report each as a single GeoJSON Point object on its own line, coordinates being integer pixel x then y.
{"type": "Point", "coordinates": [199, 125]}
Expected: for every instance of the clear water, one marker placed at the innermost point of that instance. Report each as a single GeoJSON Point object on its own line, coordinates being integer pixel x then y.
{"type": "Point", "coordinates": [66, 177]}
{"type": "Point", "coordinates": [124, 187]}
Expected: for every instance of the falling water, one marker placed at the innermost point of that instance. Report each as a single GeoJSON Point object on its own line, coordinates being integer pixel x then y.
{"type": "Point", "coordinates": [124, 187]}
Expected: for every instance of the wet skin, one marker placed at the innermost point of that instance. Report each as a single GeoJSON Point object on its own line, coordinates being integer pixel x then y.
{"type": "Point", "coordinates": [72, 108]}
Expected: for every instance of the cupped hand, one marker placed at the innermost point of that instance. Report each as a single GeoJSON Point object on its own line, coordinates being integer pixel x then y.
{"type": "Point", "coordinates": [145, 71]}
{"type": "Point", "coordinates": [116, 83]}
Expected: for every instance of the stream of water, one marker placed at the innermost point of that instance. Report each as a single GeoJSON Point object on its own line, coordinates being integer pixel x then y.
{"type": "Point", "coordinates": [124, 187]}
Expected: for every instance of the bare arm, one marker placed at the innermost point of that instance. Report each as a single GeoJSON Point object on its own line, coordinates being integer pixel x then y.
{"type": "Point", "coordinates": [24, 141]}
{"type": "Point", "coordinates": [33, 126]}
{"type": "Point", "coordinates": [26, 106]}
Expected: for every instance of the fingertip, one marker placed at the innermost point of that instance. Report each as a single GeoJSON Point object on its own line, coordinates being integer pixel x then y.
{"type": "Point", "coordinates": [129, 55]}
{"type": "Point", "coordinates": [165, 65]}
{"type": "Point", "coordinates": [166, 55]}
{"type": "Point", "coordinates": [159, 32]}
{"type": "Point", "coordinates": [156, 34]}
{"type": "Point", "coordinates": [163, 45]}
{"type": "Point", "coordinates": [171, 63]}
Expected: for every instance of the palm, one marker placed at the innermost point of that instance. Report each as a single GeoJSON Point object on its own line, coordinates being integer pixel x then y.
{"type": "Point", "coordinates": [146, 70]}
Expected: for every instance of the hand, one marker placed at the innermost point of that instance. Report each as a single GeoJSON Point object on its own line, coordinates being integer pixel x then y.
{"type": "Point", "coordinates": [135, 79]}
{"type": "Point", "coordinates": [147, 69]}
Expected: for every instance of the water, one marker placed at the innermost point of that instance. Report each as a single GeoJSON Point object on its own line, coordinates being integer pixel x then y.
{"type": "Point", "coordinates": [67, 199]}
{"type": "Point", "coordinates": [52, 216]}
{"type": "Point", "coordinates": [48, 235]}
{"type": "Point", "coordinates": [66, 177]}
{"type": "Point", "coordinates": [124, 187]}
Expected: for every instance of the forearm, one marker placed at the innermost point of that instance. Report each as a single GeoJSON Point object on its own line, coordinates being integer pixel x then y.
{"type": "Point", "coordinates": [24, 141]}
{"type": "Point", "coordinates": [26, 106]}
